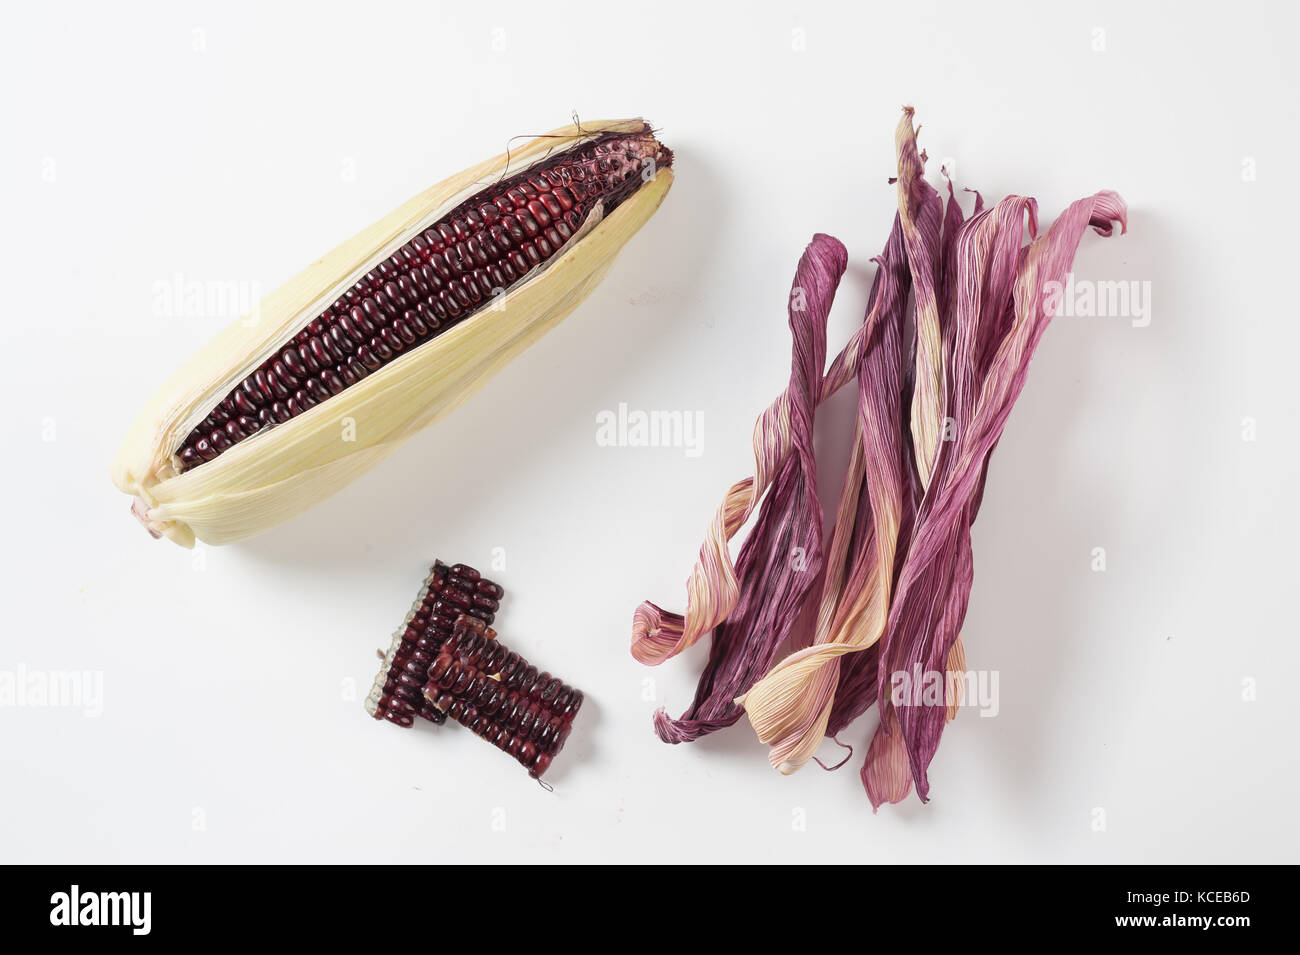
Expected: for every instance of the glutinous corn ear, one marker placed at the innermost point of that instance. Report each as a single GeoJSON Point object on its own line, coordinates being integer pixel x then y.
{"type": "Point", "coordinates": [387, 333]}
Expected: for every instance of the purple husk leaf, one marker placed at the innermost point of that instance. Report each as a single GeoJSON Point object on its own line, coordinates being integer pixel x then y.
{"type": "Point", "coordinates": [884, 385]}
{"type": "Point", "coordinates": [773, 586]}
{"type": "Point", "coordinates": [934, 587]}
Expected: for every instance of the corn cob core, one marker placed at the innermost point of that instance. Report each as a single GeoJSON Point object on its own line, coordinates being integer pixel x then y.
{"type": "Point", "coordinates": [455, 267]}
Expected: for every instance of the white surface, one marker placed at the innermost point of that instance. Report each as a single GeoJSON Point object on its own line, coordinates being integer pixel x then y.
{"type": "Point", "coordinates": [225, 672]}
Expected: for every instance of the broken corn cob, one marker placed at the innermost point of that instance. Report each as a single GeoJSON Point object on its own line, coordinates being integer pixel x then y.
{"type": "Point", "coordinates": [447, 592]}
{"type": "Point", "coordinates": [499, 696]}
{"type": "Point", "coordinates": [386, 334]}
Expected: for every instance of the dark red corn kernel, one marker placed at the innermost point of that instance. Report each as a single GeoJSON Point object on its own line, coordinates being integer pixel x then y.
{"type": "Point", "coordinates": [413, 684]}
{"type": "Point", "coordinates": [508, 714]}
{"type": "Point", "coordinates": [442, 622]}
{"type": "Point", "coordinates": [495, 697]}
{"type": "Point", "coordinates": [547, 731]}
{"type": "Point", "coordinates": [535, 691]}
{"type": "Point", "coordinates": [438, 670]}
{"type": "Point", "coordinates": [476, 686]}
{"type": "Point", "coordinates": [540, 766]}
{"type": "Point", "coordinates": [534, 719]}
{"type": "Point", "coordinates": [561, 737]}
{"type": "Point", "coordinates": [461, 683]}
{"type": "Point", "coordinates": [423, 657]}
{"type": "Point", "coordinates": [430, 641]}
{"type": "Point", "coordinates": [525, 719]}
{"type": "Point", "coordinates": [480, 646]}
{"type": "Point", "coordinates": [575, 704]}
{"type": "Point", "coordinates": [444, 274]}
{"type": "Point", "coordinates": [400, 710]}
{"type": "Point", "coordinates": [545, 736]}
{"type": "Point", "coordinates": [252, 391]}
{"type": "Point", "coordinates": [445, 681]}
{"type": "Point", "coordinates": [316, 390]}
{"type": "Point", "coordinates": [528, 754]}
{"type": "Point", "coordinates": [493, 656]}
{"type": "Point", "coordinates": [455, 596]}
{"type": "Point", "coordinates": [440, 267]}
{"type": "Point", "coordinates": [465, 629]}
{"type": "Point", "coordinates": [512, 665]}
{"type": "Point", "coordinates": [402, 705]}
{"type": "Point", "coordinates": [486, 694]}
{"type": "Point", "coordinates": [450, 675]}
{"type": "Point", "coordinates": [518, 720]}
{"type": "Point", "coordinates": [526, 679]}
{"type": "Point", "coordinates": [550, 690]}
{"type": "Point", "coordinates": [473, 654]}
{"type": "Point", "coordinates": [333, 381]}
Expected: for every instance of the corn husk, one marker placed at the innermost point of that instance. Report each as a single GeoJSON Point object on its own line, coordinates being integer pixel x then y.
{"type": "Point", "coordinates": [879, 624]}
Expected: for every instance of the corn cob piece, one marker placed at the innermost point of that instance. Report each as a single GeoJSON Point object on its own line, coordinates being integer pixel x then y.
{"type": "Point", "coordinates": [498, 696]}
{"type": "Point", "coordinates": [447, 593]}
{"type": "Point", "coordinates": [387, 334]}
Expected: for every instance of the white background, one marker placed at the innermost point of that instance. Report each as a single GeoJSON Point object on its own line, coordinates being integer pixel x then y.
{"type": "Point", "coordinates": [214, 142]}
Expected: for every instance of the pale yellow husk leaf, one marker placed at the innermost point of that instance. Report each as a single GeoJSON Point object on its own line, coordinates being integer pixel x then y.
{"type": "Point", "coordinates": [278, 473]}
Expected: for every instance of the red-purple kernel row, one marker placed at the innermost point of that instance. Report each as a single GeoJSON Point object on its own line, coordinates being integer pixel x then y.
{"type": "Point", "coordinates": [440, 277]}
{"type": "Point", "coordinates": [451, 682]}
{"type": "Point", "coordinates": [470, 644]}
{"type": "Point", "coordinates": [448, 594]}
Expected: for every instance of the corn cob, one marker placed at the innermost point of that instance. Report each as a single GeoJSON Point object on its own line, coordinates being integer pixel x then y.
{"type": "Point", "coordinates": [447, 592]}
{"type": "Point", "coordinates": [498, 696]}
{"type": "Point", "coordinates": [387, 334]}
